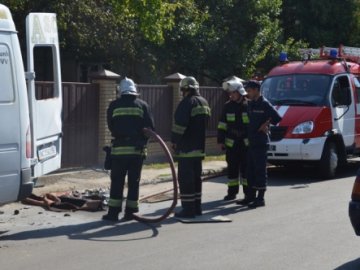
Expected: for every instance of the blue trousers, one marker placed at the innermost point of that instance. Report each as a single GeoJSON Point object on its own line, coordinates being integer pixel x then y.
{"type": "Point", "coordinates": [256, 167]}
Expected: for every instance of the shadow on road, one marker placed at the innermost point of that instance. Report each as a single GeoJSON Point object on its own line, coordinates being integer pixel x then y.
{"type": "Point", "coordinates": [300, 176]}
{"type": "Point", "coordinates": [131, 231]}
{"type": "Point", "coordinates": [355, 264]}
{"type": "Point", "coordinates": [220, 207]}
{"type": "Point", "coordinates": [94, 231]}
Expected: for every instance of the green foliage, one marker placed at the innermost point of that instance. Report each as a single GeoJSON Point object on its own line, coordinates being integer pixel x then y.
{"type": "Point", "coordinates": [231, 37]}
{"type": "Point", "coordinates": [322, 22]}
{"type": "Point", "coordinates": [101, 29]}
{"type": "Point", "coordinates": [209, 39]}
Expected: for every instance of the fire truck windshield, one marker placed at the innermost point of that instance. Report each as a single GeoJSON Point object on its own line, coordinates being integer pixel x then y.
{"type": "Point", "coordinates": [297, 89]}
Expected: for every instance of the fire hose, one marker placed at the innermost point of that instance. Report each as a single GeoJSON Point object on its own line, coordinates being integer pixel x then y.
{"type": "Point", "coordinates": [166, 150]}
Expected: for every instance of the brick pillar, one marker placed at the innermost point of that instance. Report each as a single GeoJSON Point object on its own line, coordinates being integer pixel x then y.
{"type": "Point", "coordinates": [173, 81]}
{"type": "Point", "coordinates": [108, 82]}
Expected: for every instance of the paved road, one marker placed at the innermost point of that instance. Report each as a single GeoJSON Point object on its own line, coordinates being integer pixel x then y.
{"type": "Point", "coordinates": [305, 225]}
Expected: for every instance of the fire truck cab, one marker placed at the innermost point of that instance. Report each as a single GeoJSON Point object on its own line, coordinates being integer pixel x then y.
{"type": "Point", "coordinates": [319, 101]}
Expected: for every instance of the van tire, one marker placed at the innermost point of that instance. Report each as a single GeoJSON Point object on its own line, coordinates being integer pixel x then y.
{"type": "Point", "coordinates": [329, 161]}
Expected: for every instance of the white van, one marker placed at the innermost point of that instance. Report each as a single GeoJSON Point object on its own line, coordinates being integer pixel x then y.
{"type": "Point", "coordinates": [30, 128]}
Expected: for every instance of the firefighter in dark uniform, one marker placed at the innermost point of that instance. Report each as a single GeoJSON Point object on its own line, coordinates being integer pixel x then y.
{"type": "Point", "coordinates": [127, 116]}
{"type": "Point", "coordinates": [261, 115]}
{"type": "Point", "coordinates": [232, 137]}
{"type": "Point", "coordinates": [188, 138]}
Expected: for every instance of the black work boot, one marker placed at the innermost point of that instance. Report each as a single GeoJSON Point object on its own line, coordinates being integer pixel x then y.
{"type": "Point", "coordinates": [247, 200]}
{"type": "Point", "coordinates": [198, 209]}
{"type": "Point", "coordinates": [185, 213]}
{"type": "Point", "coordinates": [129, 214]}
{"type": "Point", "coordinates": [232, 192]}
{"type": "Point", "coordinates": [230, 197]}
{"type": "Point", "coordinates": [249, 196]}
{"type": "Point", "coordinates": [113, 214]}
{"type": "Point", "coordinates": [188, 210]}
{"type": "Point", "coordinates": [256, 203]}
{"type": "Point", "coordinates": [259, 201]}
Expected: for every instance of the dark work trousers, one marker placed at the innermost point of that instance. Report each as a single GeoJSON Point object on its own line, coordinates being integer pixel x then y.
{"type": "Point", "coordinates": [256, 168]}
{"type": "Point", "coordinates": [236, 166]}
{"type": "Point", "coordinates": [120, 167]}
{"type": "Point", "coordinates": [189, 174]}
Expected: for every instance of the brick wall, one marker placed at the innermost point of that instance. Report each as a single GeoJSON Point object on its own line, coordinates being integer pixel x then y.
{"type": "Point", "coordinates": [107, 94]}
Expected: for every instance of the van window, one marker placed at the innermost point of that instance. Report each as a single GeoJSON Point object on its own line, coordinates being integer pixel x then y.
{"type": "Point", "coordinates": [341, 93]}
{"type": "Point", "coordinates": [44, 73]}
{"type": "Point", "coordinates": [6, 75]}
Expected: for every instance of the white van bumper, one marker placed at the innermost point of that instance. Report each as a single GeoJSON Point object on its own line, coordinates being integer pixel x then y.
{"type": "Point", "coordinates": [297, 149]}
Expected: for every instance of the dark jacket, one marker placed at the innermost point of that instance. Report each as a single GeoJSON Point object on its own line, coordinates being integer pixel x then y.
{"type": "Point", "coordinates": [126, 118]}
{"type": "Point", "coordinates": [188, 133]}
{"type": "Point", "coordinates": [261, 111]}
{"type": "Point", "coordinates": [233, 124]}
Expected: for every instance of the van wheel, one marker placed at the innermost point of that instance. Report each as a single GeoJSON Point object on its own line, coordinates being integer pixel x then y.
{"type": "Point", "coordinates": [329, 161]}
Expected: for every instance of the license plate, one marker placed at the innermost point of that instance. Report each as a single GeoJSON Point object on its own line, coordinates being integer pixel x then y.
{"type": "Point", "coordinates": [47, 152]}
{"type": "Point", "coordinates": [272, 147]}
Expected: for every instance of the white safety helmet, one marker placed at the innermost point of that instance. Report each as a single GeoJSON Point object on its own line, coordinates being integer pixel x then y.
{"type": "Point", "coordinates": [231, 78]}
{"type": "Point", "coordinates": [235, 86]}
{"type": "Point", "coordinates": [127, 87]}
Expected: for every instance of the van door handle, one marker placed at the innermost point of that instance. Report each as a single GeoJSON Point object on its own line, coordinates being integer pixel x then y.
{"type": "Point", "coordinates": [30, 75]}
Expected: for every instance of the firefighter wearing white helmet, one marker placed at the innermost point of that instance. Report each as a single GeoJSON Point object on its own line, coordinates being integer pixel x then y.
{"type": "Point", "coordinates": [232, 137]}
{"type": "Point", "coordinates": [231, 79]}
{"type": "Point", "coordinates": [127, 116]}
{"type": "Point", "coordinates": [127, 87]}
{"type": "Point", "coordinates": [188, 138]}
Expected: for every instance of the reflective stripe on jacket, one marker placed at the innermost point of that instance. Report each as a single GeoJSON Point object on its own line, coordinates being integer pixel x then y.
{"type": "Point", "coordinates": [233, 124]}
{"type": "Point", "coordinates": [190, 121]}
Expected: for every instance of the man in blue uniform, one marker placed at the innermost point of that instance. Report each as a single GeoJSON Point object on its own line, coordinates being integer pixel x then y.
{"type": "Point", "coordinates": [261, 115]}
{"type": "Point", "coordinates": [188, 138]}
{"type": "Point", "coordinates": [232, 137]}
{"type": "Point", "coordinates": [127, 116]}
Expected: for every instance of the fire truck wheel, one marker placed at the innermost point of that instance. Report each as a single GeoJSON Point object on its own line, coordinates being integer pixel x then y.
{"type": "Point", "coordinates": [329, 161]}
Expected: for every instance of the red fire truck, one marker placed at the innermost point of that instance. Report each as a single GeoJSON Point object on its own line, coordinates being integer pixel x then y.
{"type": "Point", "coordinates": [319, 100]}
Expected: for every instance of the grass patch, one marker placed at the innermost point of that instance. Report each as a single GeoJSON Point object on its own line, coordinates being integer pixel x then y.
{"type": "Point", "coordinates": [158, 166]}
{"type": "Point", "coordinates": [215, 158]}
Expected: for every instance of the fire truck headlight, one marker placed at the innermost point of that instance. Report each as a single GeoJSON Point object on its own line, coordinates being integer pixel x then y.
{"type": "Point", "coordinates": [304, 128]}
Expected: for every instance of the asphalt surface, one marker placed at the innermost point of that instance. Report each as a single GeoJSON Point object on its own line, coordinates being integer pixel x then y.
{"type": "Point", "coordinates": [304, 225]}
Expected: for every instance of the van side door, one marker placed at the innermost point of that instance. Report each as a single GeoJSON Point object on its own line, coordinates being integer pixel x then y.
{"type": "Point", "coordinates": [343, 109]}
{"type": "Point", "coordinates": [45, 112]}
{"type": "Point", "coordinates": [357, 115]}
{"type": "Point", "coordinates": [10, 130]}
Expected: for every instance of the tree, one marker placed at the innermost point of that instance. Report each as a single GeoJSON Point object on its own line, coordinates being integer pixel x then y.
{"type": "Point", "coordinates": [230, 37]}
{"type": "Point", "coordinates": [102, 29]}
{"type": "Point", "coordinates": [148, 40]}
{"type": "Point", "coordinates": [322, 22]}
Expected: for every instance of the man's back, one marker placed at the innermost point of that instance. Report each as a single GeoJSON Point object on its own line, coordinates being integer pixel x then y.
{"type": "Point", "coordinates": [127, 117]}
{"type": "Point", "coordinates": [192, 115]}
